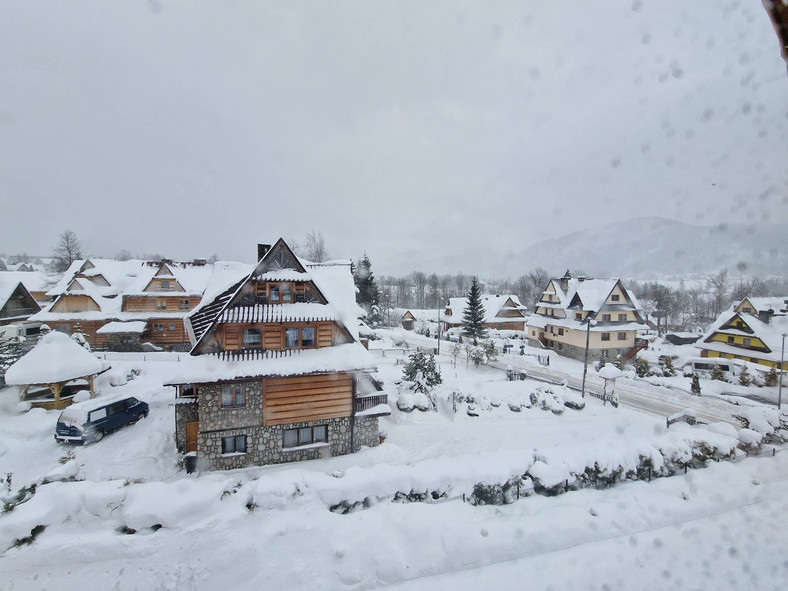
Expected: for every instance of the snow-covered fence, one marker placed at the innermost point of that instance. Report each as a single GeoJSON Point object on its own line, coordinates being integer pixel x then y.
{"type": "Point", "coordinates": [392, 352]}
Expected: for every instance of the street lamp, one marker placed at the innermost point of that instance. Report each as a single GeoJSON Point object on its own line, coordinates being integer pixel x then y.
{"type": "Point", "coordinates": [585, 361]}
{"type": "Point", "coordinates": [780, 386]}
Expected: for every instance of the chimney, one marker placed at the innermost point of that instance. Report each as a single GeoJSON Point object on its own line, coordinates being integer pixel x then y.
{"type": "Point", "coordinates": [262, 250]}
{"type": "Point", "coordinates": [565, 281]}
{"type": "Point", "coordinates": [765, 315]}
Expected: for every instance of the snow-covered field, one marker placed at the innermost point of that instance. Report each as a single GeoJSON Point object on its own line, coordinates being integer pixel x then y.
{"type": "Point", "coordinates": [121, 514]}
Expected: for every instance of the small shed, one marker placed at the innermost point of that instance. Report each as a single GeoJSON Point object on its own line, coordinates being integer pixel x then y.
{"type": "Point", "coordinates": [54, 369]}
{"type": "Point", "coordinates": [123, 336]}
{"type": "Point", "coordinates": [408, 320]}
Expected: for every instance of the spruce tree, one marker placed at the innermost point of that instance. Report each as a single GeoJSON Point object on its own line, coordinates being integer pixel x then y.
{"type": "Point", "coordinates": [717, 373]}
{"type": "Point", "coordinates": [11, 350]}
{"type": "Point", "coordinates": [695, 387]}
{"type": "Point", "coordinates": [667, 368]}
{"type": "Point", "coordinates": [744, 377]}
{"type": "Point", "coordinates": [422, 371]}
{"type": "Point", "coordinates": [473, 317]}
{"type": "Point", "coordinates": [368, 293]}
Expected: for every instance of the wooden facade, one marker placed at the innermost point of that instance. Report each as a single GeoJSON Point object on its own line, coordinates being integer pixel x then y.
{"type": "Point", "coordinates": [159, 303]}
{"type": "Point", "coordinates": [307, 398]}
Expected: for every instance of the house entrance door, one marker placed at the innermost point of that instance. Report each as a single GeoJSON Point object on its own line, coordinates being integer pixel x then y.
{"type": "Point", "coordinates": [192, 427]}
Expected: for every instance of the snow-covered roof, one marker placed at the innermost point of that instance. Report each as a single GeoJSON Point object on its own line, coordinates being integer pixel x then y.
{"type": "Point", "coordinates": [192, 278]}
{"type": "Point", "coordinates": [119, 274]}
{"type": "Point", "coordinates": [774, 303]}
{"type": "Point", "coordinates": [210, 368]}
{"type": "Point", "coordinates": [134, 327]}
{"type": "Point", "coordinates": [610, 372]}
{"type": "Point", "coordinates": [32, 280]}
{"type": "Point", "coordinates": [56, 358]}
{"type": "Point", "coordinates": [493, 304]}
{"type": "Point", "coordinates": [335, 280]}
{"type": "Point", "coordinates": [8, 285]}
{"type": "Point", "coordinates": [770, 333]}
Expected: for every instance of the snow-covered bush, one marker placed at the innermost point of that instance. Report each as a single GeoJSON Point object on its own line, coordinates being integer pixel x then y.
{"type": "Point", "coordinates": [573, 399]}
{"type": "Point", "coordinates": [546, 399]}
{"type": "Point", "coordinates": [406, 401]}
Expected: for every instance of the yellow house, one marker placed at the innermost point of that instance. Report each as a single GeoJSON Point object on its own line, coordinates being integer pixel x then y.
{"type": "Point", "coordinates": [573, 309]}
{"type": "Point", "coordinates": [751, 330]}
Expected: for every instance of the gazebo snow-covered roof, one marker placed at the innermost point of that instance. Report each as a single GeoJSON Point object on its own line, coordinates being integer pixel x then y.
{"type": "Point", "coordinates": [53, 362]}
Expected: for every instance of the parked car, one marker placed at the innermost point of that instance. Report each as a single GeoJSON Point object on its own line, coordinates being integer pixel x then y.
{"type": "Point", "coordinates": [89, 421]}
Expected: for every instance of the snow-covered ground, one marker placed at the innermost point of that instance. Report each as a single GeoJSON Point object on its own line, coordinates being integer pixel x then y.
{"type": "Point", "coordinates": [269, 527]}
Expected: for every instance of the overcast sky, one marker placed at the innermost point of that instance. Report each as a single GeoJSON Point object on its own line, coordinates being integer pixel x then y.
{"type": "Point", "coordinates": [440, 136]}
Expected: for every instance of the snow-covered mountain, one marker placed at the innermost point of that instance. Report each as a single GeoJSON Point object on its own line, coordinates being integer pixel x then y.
{"type": "Point", "coordinates": [643, 247]}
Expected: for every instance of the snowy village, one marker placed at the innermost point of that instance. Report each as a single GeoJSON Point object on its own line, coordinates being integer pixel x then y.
{"type": "Point", "coordinates": [383, 295]}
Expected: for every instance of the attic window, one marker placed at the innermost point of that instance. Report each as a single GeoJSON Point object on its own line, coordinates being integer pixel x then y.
{"type": "Point", "coordinates": [165, 285]}
{"type": "Point", "coordinates": [605, 317]}
{"type": "Point", "coordinates": [280, 293]}
{"type": "Point", "coordinates": [615, 297]}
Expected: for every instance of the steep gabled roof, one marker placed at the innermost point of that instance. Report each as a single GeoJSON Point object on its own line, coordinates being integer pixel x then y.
{"type": "Point", "coordinates": [9, 287]}
{"type": "Point", "coordinates": [280, 264]}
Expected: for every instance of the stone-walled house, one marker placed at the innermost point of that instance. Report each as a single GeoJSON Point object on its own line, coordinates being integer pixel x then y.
{"type": "Point", "coordinates": [277, 373]}
{"type": "Point", "coordinates": [573, 309]}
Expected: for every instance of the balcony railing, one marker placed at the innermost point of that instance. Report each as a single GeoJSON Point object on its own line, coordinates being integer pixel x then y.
{"type": "Point", "coordinates": [364, 403]}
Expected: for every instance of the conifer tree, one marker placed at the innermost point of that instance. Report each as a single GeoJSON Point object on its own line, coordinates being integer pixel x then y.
{"type": "Point", "coordinates": [473, 317]}
{"type": "Point", "coordinates": [667, 368]}
{"type": "Point", "coordinates": [744, 377]}
{"type": "Point", "coordinates": [422, 371]}
{"type": "Point", "coordinates": [368, 293]}
{"type": "Point", "coordinates": [771, 378]}
{"type": "Point", "coordinates": [695, 387]}
{"type": "Point", "coordinates": [11, 350]}
{"type": "Point", "coordinates": [717, 373]}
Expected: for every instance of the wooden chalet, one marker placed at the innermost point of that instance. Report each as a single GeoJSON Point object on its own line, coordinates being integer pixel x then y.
{"type": "Point", "coordinates": [750, 330]}
{"type": "Point", "coordinates": [277, 373]}
{"type": "Point", "coordinates": [97, 292]}
{"type": "Point", "coordinates": [501, 312]}
{"type": "Point", "coordinates": [573, 311]}
{"type": "Point", "coordinates": [16, 302]}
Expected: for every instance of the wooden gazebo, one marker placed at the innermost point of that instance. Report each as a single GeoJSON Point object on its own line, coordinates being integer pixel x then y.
{"type": "Point", "coordinates": [54, 363]}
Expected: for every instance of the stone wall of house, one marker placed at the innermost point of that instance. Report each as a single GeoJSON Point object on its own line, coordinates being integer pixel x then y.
{"type": "Point", "coordinates": [214, 417]}
{"type": "Point", "coordinates": [264, 445]}
{"type": "Point", "coordinates": [367, 432]}
{"type": "Point", "coordinates": [184, 412]}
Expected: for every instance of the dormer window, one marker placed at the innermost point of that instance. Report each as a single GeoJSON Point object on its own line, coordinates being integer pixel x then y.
{"type": "Point", "coordinates": [578, 316]}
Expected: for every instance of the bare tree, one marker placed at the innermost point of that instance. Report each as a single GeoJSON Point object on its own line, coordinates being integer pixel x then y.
{"type": "Point", "coordinates": [719, 285]}
{"type": "Point", "coordinates": [123, 255]}
{"type": "Point", "coordinates": [67, 250]}
{"type": "Point", "coordinates": [315, 247]}
{"type": "Point", "coordinates": [420, 282]}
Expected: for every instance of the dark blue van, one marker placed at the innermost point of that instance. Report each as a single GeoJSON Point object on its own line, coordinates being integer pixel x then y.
{"type": "Point", "coordinates": [89, 421]}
